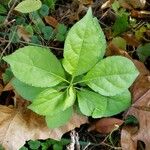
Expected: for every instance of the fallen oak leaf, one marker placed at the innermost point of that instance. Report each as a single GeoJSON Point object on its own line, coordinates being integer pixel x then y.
{"type": "Point", "coordinates": [142, 116]}
{"type": "Point", "coordinates": [20, 125]}
{"type": "Point", "coordinates": [141, 110]}
{"type": "Point", "coordinates": [106, 125]}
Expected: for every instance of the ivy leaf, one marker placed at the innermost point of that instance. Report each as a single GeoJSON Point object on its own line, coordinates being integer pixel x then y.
{"type": "Point", "coordinates": [26, 91]}
{"type": "Point", "coordinates": [143, 51]}
{"type": "Point", "coordinates": [70, 97]}
{"type": "Point", "coordinates": [36, 66]}
{"type": "Point", "coordinates": [48, 102]}
{"type": "Point", "coordinates": [117, 103]}
{"type": "Point", "coordinates": [84, 46]}
{"type": "Point", "coordinates": [28, 6]}
{"type": "Point", "coordinates": [59, 119]}
{"type": "Point", "coordinates": [111, 76]}
{"type": "Point", "coordinates": [91, 103]}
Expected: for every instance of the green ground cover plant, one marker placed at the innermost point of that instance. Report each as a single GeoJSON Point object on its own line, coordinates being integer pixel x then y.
{"type": "Point", "coordinates": [84, 79]}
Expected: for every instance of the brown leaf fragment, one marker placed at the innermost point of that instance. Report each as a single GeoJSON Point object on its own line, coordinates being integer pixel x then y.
{"type": "Point", "coordinates": [130, 39]}
{"type": "Point", "coordinates": [142, 83]}
{"type": "Point", "coordinates": [114, 50]}
{"type": "Point", "coordinates": [140, 14]}
{"type": "Point", "coordinates": [106, 125]}
{"type": "Point", "coordinates": [136, 3]}
{"type": "Point", "coordinates": [22, 33]}
{"type": "Point", "coordinates": [127, 142]}
{"type": "Point", "coordinates": [51, 21]}
{"type": "Point", "coordinates": [125, 5]}
{"type": "Point", "coordinates": [20, 125]}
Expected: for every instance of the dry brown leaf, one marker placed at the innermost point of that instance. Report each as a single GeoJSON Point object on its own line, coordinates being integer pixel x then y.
{"type": "Point", "coordinates": [136, 3]}
{"type": "Point", "coordinates": [140, 14]}
{"type": "Point", "coordinates": [114, 50]}
{"type": "Point", "coordinates": [22, 33]}
{"type": "Point", "coordinates": [140, 109]}
{"type": "Point", "coordinates": [106, 125]}
{"type": "Point", "coordinates": [51, 21]}
{"type": "Point", "coordinates": [20, 125]}
{"type": "Point", "coordinates": [125, 5]}
{"type": "Point", "coordinates": [130, 39]}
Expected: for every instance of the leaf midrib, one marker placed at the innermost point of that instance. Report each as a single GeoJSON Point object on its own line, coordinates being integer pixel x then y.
{"type": "Point", "coordinates": [103, 76]}
{"type": "Point", "coordinates": [51, 73]}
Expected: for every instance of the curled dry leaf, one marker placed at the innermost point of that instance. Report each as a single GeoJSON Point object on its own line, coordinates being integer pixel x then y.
{"type": "Point", "coordinates": [140, 109]}
{"type": "Point", "coordinates": [20, 125]}
{"type": "Point", "coordinates": [106, 125]}
{"type": "Point", "coordinates": [51, 21]}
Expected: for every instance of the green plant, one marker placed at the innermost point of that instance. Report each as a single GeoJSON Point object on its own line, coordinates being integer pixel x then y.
{"type": "Point", "coordinates": [121, 23]}
{"type": "Point", "coordinates": [99, 85]}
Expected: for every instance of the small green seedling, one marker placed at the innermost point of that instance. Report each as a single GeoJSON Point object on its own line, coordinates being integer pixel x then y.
{"type": "Point", "coordinates": [100, 86]}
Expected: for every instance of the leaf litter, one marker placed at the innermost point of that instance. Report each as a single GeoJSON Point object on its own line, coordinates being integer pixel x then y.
{"type": "Point", "coordinates": [18, 125]}
{"type": "Point", "coordinates": [34, 127]}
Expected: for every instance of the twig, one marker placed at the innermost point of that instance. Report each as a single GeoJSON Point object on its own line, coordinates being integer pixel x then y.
{"type": "Point", "coordinates": [71, 146]}
{"type": "Point", "coordinates": [10, 11]}
{"type": "Point", "coordinates": [7, 45]}
{"type": "Point", "coordinates": [87, 146]}
{"type": "Point", "coordinates": [77, 141]}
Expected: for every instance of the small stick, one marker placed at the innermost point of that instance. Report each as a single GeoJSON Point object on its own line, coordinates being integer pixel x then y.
{"type": "Point", "coordinates": [9, 13]}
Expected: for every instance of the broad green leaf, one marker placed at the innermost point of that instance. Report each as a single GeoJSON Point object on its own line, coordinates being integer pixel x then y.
{"type": "Point", "coordinates": [26, 91]}
{"type": "Point", "coordinates": [91, 103]}
{"type": "Point", "coordinates": [70, 97]}
{"type": "Point", "coordinates": [84, 46]}
{"type": "Point", "coordinates": [96, 105]}
{"type": "Point", "coordinates": [28, 6]}
{"type": "Point", "coordinates": [111, 76]}
{"type": "Point", "coordinates": [59, 119]}
{"type": "Point", "coordinates": [117, 103]}
{"type": "Point", "coordinates": [48, 102]}
{"type": "Point", "coordinates": [36, 66]}
{"type": "Point", "coordinates": [143, 51]}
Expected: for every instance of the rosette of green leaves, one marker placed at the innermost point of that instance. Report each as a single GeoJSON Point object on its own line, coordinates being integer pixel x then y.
{"type": "Point", "coordinates": [99, 85]}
